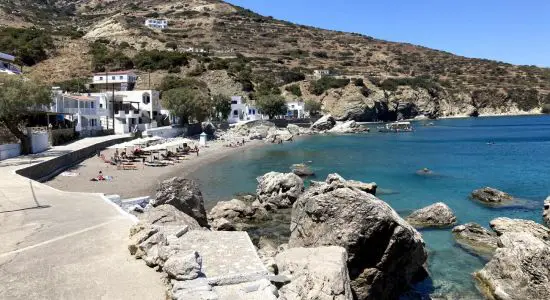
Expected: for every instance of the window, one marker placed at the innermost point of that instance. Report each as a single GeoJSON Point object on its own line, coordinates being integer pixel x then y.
{"type": "Point", "coordinates": [91, 104]}
{"type": "Point", "coordinates": [113, 77]}
{"type": "Point", "coordinates": [100, 105]}
{"type": "Point", "coordinates": [235, 112]}
{"type": "Point", "coordinates": [233, 101]}
{"type": "Point", "coordinates": [121, 77]}
{"type": "Point", "coordinates": [146, 98]}
{"type": "Point", "coordinates": [253, 111]}
{"type": "Point", "coordinates": [100, 77]}
{"type": "Point", "coordinates": [249, 111]}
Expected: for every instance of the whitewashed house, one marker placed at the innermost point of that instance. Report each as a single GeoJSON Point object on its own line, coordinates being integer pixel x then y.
{"type": "Point", "coordinates": [321, 73]}
{"type": "Point", "coordinates": [83, 110]}
{"type": "Point", "coordinates": [156, 23]}
{"type": "Point", "coordinates": [241, 111]}
{"type": "Point", "coordinates": [116, 80]}
{"type": "Point", "coordinates": [296, 110]}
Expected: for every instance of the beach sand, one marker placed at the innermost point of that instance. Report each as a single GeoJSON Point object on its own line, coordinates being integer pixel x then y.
{"type": "Point", "coordinates": [141, 182]}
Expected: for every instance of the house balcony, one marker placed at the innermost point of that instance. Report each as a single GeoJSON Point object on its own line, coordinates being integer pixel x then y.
{"type": "Point", "coordinates": [123, 114]}
{"type": "Point", "coordinates": [84, 111]}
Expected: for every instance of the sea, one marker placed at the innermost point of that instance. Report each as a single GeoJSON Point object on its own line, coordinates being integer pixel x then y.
{"type": "Point", "coordinates": [508, 153]}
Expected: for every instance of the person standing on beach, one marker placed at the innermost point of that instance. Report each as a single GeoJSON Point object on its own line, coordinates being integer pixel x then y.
{"type": "Point", "coordinates": [197, 150]}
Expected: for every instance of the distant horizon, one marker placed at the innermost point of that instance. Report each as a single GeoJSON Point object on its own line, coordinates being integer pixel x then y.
{"type": "Point", "coordinates": [504, 31]}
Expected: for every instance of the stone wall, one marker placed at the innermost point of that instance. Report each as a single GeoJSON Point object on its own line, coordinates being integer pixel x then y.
{"type": "Point", "coordinates": [50, 168]}
{"type": "Point", "coordinates": [9, 151]}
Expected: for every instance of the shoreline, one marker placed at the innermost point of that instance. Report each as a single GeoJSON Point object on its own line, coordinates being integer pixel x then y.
{"type": "Point", "coordinates": [142, 182]}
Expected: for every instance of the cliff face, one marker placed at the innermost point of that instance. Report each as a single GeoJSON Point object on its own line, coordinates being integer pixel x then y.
{"type": "Point", "coordinates": [400, 80]}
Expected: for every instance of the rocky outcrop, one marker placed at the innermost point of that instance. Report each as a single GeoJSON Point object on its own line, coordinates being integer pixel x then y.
{"type": "Point", "coordinates": [435, 215]}
{"type": "Point", "coordinates": [520, 268]}
{"type": "Point", "coordinates": [183, 194]}
{"type": "Point", "coordinates": [317, 273]}
{"type": "Point", "coordinates": [279, 190]}
{"type": "Point", "coordinates": [546, 212]}
{"type": "Point", "coordinates": [324, 123]}
{"type": "Point", "coordinates": [385, 254]}
{"type": "Point", "coordinates": [229, 215]}
{"type": "Point", "coordinates": [347, 127]}
{"type": "Point", "coordinates": [491, 196]}
{"type": "Point", "coordinates": [274, 136]}
{"type": "Point", "coordinates": [362, 186]}
{"type": "Point", "coordinates": [475, 238]}
{"type": "Point", "coordinates": [167, 215]}
{"type": "Point", "coordinates": [254, 129]}
{"type": "Point", "coordinates": [184, 266]}
{"type": "Point", "coordinates": [302, 170]}
{"type": "Point", "coordinates": [504, 225]}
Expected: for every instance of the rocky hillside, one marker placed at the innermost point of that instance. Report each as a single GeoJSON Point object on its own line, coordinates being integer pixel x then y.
{"type": "Point", "coordinates": [237, 51]}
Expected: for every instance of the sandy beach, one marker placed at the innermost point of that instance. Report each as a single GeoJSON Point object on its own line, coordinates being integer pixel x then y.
{"type": "Point", "coordinates": [141, 182]}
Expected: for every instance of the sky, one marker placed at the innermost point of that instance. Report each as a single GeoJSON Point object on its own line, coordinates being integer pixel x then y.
{"type": "Point", "coordinates": [516, 32]}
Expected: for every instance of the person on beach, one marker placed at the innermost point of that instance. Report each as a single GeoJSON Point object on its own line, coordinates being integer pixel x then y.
{"type": "Point", "coordinates": [197, 150]}
{"type": "Point", "coordinates": [100, 176]}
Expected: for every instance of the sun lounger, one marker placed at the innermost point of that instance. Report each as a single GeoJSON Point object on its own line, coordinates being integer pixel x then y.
{"type": "Point", "coordinates": [127, 167]}
{"type": "Point", "coordinates": [155, 164]}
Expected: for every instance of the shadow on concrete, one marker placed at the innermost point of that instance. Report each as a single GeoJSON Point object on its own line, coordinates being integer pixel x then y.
{"type": "Point", "coordinates": [23, 209]}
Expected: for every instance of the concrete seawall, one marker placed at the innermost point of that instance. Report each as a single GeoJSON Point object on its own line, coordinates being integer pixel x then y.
{"type": "Point", "coordinates": [45, 170]}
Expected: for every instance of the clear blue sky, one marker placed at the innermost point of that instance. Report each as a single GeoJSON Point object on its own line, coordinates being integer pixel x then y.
{"type": "Point", "coordinates": [517, 31]}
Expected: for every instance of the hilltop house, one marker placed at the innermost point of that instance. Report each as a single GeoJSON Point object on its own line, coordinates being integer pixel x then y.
{"type": "Point", "coordinates": [7, 65]}
{"type": "Point", "coordinates": [156, 23]}
{"type": "Point", "coordinates": [241, 111]}
{"type": "Point", "coordinates": [321, 73]}
{"type": "Point", "coordinates": [118, 81]}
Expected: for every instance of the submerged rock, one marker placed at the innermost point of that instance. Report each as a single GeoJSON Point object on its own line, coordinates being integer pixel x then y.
{"type": "Point", "coordinates": [491, 196]}
{"type": "Point", "coordinates": [476, 238]}
{"type": "Point", "coordinates": [185, 195]}
{"type": "Point", "coordinates": [546, 212]}
{"type": "Point", "coordinates": [504, 225]}
{"type": "Point", "coordinates": [302, 170]}
{"type": "Point", "coordinates": [435, 215]}
{"type": "Point", "coordinates": [520, 268]}
{"type": "Point", "coordinates": [279, 190]}
{"type": "Point", "coordinates": [385, 254]}
{"type": "Point", "coordinates": [326, 122]}
{"type": "Point", "coordinates": [317, 273]}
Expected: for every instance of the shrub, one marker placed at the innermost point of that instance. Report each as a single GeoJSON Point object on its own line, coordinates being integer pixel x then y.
{"type": "Point", "coordinates": [159, 60]}
{"type": "Point", "coordinates": [171, 45]}
{"type": "Point", "coordinates": [313, 107]}
{"type": "Point", "coordinates": [218, 64]}
{"type": "Point", "coordinates": [525, 99]}
{"type": "Point", "coordinates": [358, 82]}
{"type": "Point", "coordinates": [291, 76]}
{"type": "Point", "coordinates": [295, 90]}
{"type": "Point", "coordinates": [322, 85]}
{"type": "Point", "coordinates": [28, 45]}
{"type": "Point", "coordinates": [320, 54]}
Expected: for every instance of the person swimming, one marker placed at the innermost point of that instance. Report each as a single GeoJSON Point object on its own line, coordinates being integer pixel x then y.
{"type": "Point", "coordinates": [424, 171]}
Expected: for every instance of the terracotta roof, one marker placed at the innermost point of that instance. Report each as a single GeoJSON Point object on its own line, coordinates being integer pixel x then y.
{"type": "Point", "coordinates": [115, 72]}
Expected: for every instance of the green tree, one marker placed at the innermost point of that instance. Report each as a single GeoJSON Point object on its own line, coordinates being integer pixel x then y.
{"type": "Point", "coordinates": [295, 90]}
{"type": "Point", "coordinates": [18, 98]}
{"type": "Point", "coordinates": [222, 106]}
{"type": "Point", "coordinates": [272, 105]}
{"type": "Point", "coordinates": [313, 107]}
{"type": "Point", "coordinates": [170, 82]}
{"type": "Point", "coordinates": [188, 104]}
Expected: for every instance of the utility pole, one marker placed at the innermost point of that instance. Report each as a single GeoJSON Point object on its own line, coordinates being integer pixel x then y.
{"type": "Point", "coordinates": [107, 99]}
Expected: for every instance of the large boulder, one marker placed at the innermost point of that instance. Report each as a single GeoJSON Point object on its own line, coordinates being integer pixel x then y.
{"type": "Point", "coordinates": [491, 196]}
{"type": "Point", "coordinates": [231, 210]}
{"type": "Point", "coordinates": [293, 129]}
{"type": "Point", "coordinates": [302, 170]}
{"type": "Point", "coordinates": [254, 129]}
{"type": "Point", "coordinates": [385, 254]}
{"type": "Point", "coordinates": [279, 190]}
{"type": "Point", "coordinates": [546, 212]}
{"type": "Point", "coordinates": [476, 238]}
{"type": "Point", "coordinates": [347, 127]}
{"type": "Point", "coordinates": [164, 215]}
{"type": "Point", "coordinates": [435, 215]}
{"type": "Point", "coordinates": [354, 184]}
{"type": "Point", "coordinates": [504, 225]}
{"type": "Point", "coordinates": [324, 123]}
{"type": "Point", "coordinates": [185, 265]}
{"type": "Point", "coordinates": [317, 273]}
{"type": "Point", "coordinates": [183, 194]}
{"type": "Point", "coordinates": [520, 269]}
{"type": "Point", "coordinates": [208, 128]}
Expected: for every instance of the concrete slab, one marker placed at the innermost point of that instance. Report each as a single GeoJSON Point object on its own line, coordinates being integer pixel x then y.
{"type": "Point", "coordinates": [227, 257]}
{"type": "Point", "coordinates": [61, 245]}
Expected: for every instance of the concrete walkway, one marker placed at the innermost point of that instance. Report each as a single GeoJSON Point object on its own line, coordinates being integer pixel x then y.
{"type": "Point", "coordinates": [61, 245]}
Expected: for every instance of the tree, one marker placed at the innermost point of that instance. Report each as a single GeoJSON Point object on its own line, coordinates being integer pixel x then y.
{"type": "Point", "coordinates": [188, 103]}
{"type": "Point", "coordinates": [272, 105]}
{"type": "Point", "coordinates": [18, 97]}
{"type": "Point", "coordinates": [222, 106]}
{"type": "Point", "coordinates": [294, 89]}
{"type": "Point", "coordinates": [313, 107]}
{"type": "Point", "coordinates": [170, 82]}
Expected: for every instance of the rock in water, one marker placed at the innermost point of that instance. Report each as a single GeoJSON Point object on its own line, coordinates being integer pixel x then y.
{"type": "Point", "coordinates": [183, 194]}
{"type": "Point", "coordinates": [474, 237]}
{"type": "Point", "coordinates": [279, 189]}
{"type": "Point", "coordinates": [324, 123]}
{"type": "Point", "coordinates": [317, 273]}
{"type": "Point", "coordinates": [504, 225]}
{"type": "Point", "coordinates": [546, 212]}
{"type": "Point", "coordinates": [490, 195]}
{"type": "Point", "coordinates": [385, 254]}
{"type": "Point", "coordinates": [301, 170]}
{"type": "Point", "coordinates": [520, 268]}
{"type": "Point", "coordinates": [435, 215]}
{"type": "Point", "coordinates": [233, 209]}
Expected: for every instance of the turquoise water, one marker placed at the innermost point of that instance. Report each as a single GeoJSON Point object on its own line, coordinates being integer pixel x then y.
{"type": "Point", "coordinates": [508, 153]}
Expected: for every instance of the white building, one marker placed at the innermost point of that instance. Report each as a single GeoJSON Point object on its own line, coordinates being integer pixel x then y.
{"type": "Point", "coordinates": [84, 111]}
{"type": "Point", "coordinates": [117, 80]}
{"type": "Point", "coordinates": [156, 23]}
{"type": "Point", "coordinates": [132, 110]}
{"type": "Point", "coordinates": [296, 110]}
{"type": "Point", "coordinates": [241, 111]}
{"type": "Point", "coordinates": [7, 65]}
{"type": "Point", "coordinates": [321, 73]}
